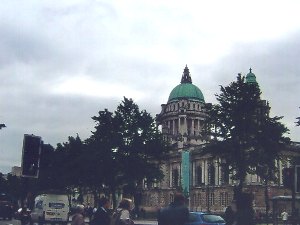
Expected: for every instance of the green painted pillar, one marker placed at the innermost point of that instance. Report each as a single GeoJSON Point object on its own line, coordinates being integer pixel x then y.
{"type": "Point", "coordinates": [185, 172]}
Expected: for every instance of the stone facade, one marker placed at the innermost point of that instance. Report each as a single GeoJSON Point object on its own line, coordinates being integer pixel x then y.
{"type": "Point", "coordinates": [211, 189]}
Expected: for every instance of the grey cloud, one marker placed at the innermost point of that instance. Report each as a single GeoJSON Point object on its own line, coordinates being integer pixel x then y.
{"type": "Point", "coordinates": [275, 65]}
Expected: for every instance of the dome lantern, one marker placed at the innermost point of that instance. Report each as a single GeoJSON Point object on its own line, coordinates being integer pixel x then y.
{"type": "Point", "coordinates": [186, 78]}
{"type": "Point", "coordinates": [251, 78]}
{"type": "Point", "coordinates": [186, 89]}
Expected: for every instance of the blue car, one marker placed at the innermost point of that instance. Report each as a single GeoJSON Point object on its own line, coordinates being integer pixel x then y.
{"type": "Point", "coordinates": [202, 218]}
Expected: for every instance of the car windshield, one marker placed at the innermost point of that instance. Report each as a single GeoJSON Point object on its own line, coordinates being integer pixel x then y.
{"type": "Point", "coordinates": [209, 218]}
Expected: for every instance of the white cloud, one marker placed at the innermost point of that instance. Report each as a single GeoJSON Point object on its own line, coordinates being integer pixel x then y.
{"type": "Point", "coordinates": [85, 86]}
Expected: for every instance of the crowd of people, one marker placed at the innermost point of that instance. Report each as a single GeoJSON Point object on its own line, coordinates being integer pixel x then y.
{"type": "Point", "coordinates": [101, 215]}
{"type": "Point", "coordinates": [240, 212]}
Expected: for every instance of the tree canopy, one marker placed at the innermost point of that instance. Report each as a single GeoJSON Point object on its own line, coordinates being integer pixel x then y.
{"type": "Point", "coordinates": [242, 131]}
{"type": "Point", "coordinates": [127, 146]}
{"type": "Point", "coordinates": [123, 151]}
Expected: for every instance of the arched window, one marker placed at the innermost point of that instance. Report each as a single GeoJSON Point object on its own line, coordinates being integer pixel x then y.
{"type": "Point", "coordinates": [211, 175]}
{"type": "Point", "coordinates": [198, 175]}
{"type": "Point", "coordinates": [225, 174]}
{"type": "Point", "coordinates": [175, 177]}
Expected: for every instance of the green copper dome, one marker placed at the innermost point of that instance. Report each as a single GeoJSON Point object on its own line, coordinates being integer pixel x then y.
{"type": "Point", "coordinates": [186, 90]}
{"type": "Point", "coordinates": [251, 78]}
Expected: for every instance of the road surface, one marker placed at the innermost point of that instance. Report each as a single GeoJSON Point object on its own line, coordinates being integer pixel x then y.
{"type": "Point", "coordinates": [17, 222]}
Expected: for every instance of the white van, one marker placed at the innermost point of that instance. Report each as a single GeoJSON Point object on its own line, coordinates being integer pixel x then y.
{"type": "Point", "coordinates": [53, 208]}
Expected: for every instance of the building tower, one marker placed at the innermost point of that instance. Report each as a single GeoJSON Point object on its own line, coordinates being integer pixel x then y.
{"type": "Point", "coordinates": [182, 118]}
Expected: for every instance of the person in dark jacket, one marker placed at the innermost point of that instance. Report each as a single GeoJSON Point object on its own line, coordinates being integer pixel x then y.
{"type": "Point", "coordinates": [245, 212]}
{"type": "Point", "coordinates": [175, 214]}
{"type": "Point", "coordinates": [101, 216]}
{"type": "Point", "coordinates": [229, 215]}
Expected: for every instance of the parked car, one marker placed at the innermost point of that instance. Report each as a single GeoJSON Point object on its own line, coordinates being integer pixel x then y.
{"type": "Point", "coordinates": [203, 218]}
{"type": "Point", "coordinates": [6, 206]}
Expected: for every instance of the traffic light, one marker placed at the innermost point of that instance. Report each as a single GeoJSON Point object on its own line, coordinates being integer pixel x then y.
{"type": "Point", "coordinates": [31, 155]}
{"type": "Point", "coordinates": [288, 177]}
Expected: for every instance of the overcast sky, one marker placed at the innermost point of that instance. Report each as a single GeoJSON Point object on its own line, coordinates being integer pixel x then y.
{"type": "Point", "coordinates": [63, 61]}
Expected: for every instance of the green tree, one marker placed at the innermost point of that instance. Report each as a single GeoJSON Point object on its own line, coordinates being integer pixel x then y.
{"type": "Point", "coordinates": [233, 123]}
{"type": "Point", "coordinates": [14, 187]}
{"type": "Point", "coordinates": [61, 169]}
{"type": "Point", "coordinates": [129, 146]}
{"type": "Point", "coordinates": [243, 132]}
{"type": "Point", "coordinates": [70, 171]}
{"type": "Point", "coordinates": [3, 183]}
{"type": "Point", "coordinates": [270, 142]}
{"type": "Point", "coordinates": [102, 168]}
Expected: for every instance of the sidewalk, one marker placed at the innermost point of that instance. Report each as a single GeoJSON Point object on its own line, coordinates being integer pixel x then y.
{"type": "Point", "coordinates": [145, 222]}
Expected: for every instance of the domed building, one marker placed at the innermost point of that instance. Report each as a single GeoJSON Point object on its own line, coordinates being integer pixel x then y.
{"type": "Point", "coordinates": [182, 118]}
{"type": "Point", "coordinates": [182, 122]}
{"type": "Point", "coordinates": [203, 178]}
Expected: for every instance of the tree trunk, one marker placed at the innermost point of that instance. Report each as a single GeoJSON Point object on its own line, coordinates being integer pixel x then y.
{"type": "Point", "coordinates": [95, 194]}
{"type": "Point", "coordinates": [113, 192]}
{"type": "Point", "coordinates": [267, 200]}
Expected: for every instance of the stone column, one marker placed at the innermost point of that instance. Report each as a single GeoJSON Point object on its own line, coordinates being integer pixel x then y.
{"type": "Point", "coordinates": [192, 128]}
{"type": "Point", "coordinates": [203, 171]}
{"type": "Point", "coordinates": [174, 127]}
{"type": "Point", "coordinates": [170, 174]}
{"type": "Point", "coordinates": [206, 171]}
{"type": "Point", "coordinates": [219, 172]}
{"type": "Point", "coordinates": [194, 165]}
{"type": "Point", "coordinates": [179, 126]}
{"type": "Point", "coordinates": [185, 125]}
{"type": "Point", "coordinates": [216, 165]}
{"type": "Point", "coordinates": [280, 172]}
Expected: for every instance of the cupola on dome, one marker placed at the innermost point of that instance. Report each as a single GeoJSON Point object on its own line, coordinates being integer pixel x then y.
{"type": "Point", "coordinates": [251, 78]}
{"type": "Point", "coordinates": [186, 90]}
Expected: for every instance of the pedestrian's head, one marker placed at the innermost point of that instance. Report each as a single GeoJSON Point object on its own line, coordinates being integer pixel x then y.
{"type": "Point", "coordinates": [125, 204]}
{"type": "Point", "coordinates": [79, 208]}
{"type": "Point", "coordinates": [179, 199]}
{"type": "Point", "coordinates": [104, 202]}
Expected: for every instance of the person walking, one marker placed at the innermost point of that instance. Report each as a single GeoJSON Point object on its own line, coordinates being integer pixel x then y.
{"type": "Point", "coordinates": [78, 218]}
{"type": "Point", "coordinates": [101, 216]}
{"type": "Point", "coordinates": [245, 212]}
{"type": "Point", "coordinates": [285, 217]}
{"type": "Point", "coordinates": [89, 211]}
{"type": "Point", "coordinates": [230, 212]}
{"type": "Point", "coordinates": [174, 214]}
{"type": "Point", "coordinates": [122, 214]}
